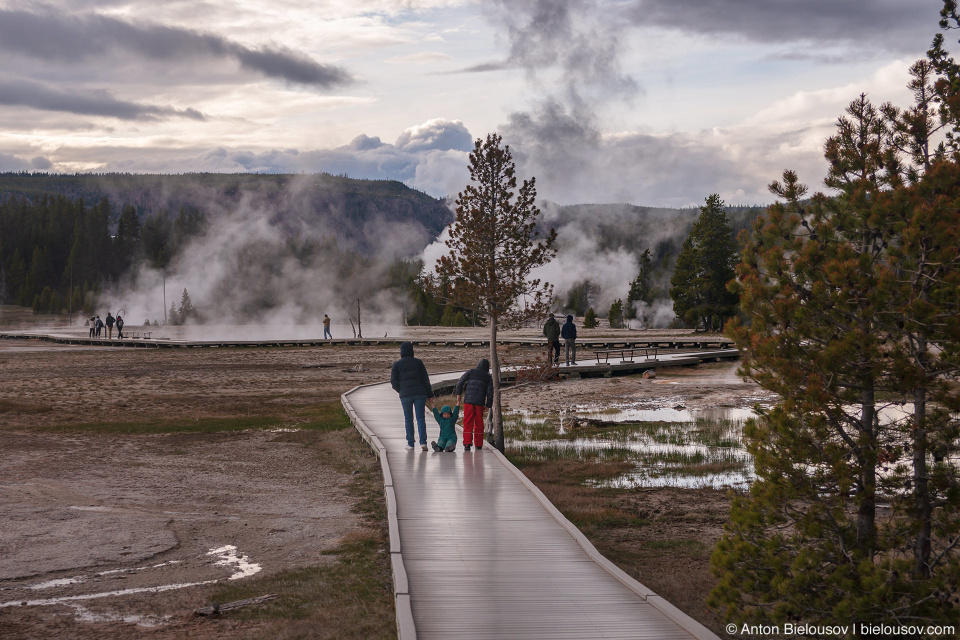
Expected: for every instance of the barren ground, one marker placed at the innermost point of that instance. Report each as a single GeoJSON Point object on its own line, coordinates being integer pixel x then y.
{"type": "Point", "coordinates": [119, 473]}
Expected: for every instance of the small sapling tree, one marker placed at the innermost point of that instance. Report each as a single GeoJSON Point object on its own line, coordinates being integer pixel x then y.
{"type": "Point", "coordinates": [590, 319]}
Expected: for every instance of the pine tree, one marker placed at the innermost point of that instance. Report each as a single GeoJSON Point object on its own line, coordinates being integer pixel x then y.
{"type": "Point", "coordinates": [640, 288]}
{"type": "Point", "coordinates": [845, 298]}
{"type": "Point", "coordinates": [449, 313]}
{"type": "Point", "coordinates": [704, 268]}
{"type": "Point", "coordinates": [590, 319]}
{"type": "Point", "coordinates": [127, 240]}
{"type": "Point", "coordinates": [173, 316]}
{"type": "Point", "coordinates": [581, 296]}
{"type": "Point", "coordinates": [615, 314]}
{"type": "Point", "coordinates": [187, 311]}
{"type": "Point", "coordinates": [495, 244]}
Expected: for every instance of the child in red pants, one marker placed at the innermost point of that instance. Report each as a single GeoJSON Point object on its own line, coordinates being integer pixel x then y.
{"type": "Point", "coordinates": [475, 391]}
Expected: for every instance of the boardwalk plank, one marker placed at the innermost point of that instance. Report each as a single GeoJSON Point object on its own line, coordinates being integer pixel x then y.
{"type": "Point", "coordinates": [483, 557]}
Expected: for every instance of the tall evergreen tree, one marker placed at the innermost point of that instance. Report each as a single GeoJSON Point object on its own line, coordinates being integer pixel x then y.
{"type": "Point", "coordinates": [640, 287]}
{"type": "Point", "coordinates": [704, 267]}
{"type": "Point", "coordinates": [127, 240]}
{"type": "Point", "coordinates": [854, 320]}
{"type": "Point", "coordinates": [495, 244]}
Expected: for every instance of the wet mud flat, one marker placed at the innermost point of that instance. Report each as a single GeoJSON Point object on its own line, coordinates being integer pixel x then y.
{"type": "Point", "coordinates": [137, 485]}
{"type": "Point", "coordinates": [128, 474]}
{"type": "Point", "coordinates": [111, 534]}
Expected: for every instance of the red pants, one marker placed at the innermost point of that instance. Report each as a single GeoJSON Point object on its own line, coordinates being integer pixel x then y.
{"type": "Point", "coordinates": [473, 424]}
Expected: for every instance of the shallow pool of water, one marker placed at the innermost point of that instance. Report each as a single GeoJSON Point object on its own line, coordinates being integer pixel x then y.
{"type": "Point", "coordinates": [625, 414]}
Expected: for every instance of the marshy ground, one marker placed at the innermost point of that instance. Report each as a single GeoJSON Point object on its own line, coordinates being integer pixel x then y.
{"type": "Point", "coordinates": [124, 469]}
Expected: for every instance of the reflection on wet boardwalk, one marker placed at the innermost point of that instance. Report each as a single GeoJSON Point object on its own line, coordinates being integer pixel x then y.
{"type": "Point", "coordinates": [478, 552]}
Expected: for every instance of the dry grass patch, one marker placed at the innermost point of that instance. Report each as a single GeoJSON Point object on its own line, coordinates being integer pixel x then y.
{"type": "Point", "coordinates": [15, 406]}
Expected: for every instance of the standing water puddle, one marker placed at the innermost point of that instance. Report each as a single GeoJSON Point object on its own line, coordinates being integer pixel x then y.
{"type": "Point", "coordinates": [667, 446]}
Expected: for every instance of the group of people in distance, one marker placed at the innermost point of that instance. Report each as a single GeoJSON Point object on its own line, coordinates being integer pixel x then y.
{"type": "Point", "coordinates": [474, 392]}
{"type": "Point", "coordinates": [553, 331]}
{"type": "Point", "coordinates": [97, 326]}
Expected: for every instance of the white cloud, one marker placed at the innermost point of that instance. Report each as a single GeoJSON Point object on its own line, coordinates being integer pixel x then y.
{"type": "Point", "coordinates": [424, 57]}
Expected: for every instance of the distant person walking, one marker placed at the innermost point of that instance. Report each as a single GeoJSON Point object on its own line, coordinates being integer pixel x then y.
{"type": "Point", "coordinates": [93, 326]}
{"type": "Point", "coordinates": [569, 334]}
{"type": "Point", "coordinates": [99, 324]}
{"type": "Point", "coordinates": [326, 327]}
{"type": "Point", "coordinates": [551, 329]}
{"type": "Point", "coordinates": [119, 327]}
{"type": "Point", "coordinates": [109, 322]}
{"type": "Point", "coordinates": [475, 392]}
{"type": "Point", "coordinates": [410, 380]}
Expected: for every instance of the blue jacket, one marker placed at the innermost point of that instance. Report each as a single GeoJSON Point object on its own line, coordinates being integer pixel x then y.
{"type": "Point", "coordinates": [569, 330]}
{"type": "Point", "coordinates": [408, 377]}
{"type": "Point", "coordinates": [476, 385]}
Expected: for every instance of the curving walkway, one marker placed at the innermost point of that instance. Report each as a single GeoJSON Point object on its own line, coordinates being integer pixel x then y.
{"type": "Point", "coordinates": [479, 552]}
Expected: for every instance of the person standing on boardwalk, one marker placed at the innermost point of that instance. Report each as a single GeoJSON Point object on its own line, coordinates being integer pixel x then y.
{"type": "Point", "coordinates": [551, 329]}
{"type": "Point", "coordinates": [109, 322]}
{"type": "Point", "coordinates": [409, 378]}
{"type": "Point", "coordinates": [569, 334]}
{"type": "Point", "coordinates": [326, 327]}
{"type": "Point", "coordinates": [93, 326]}
{"type": "Point", "coordinates": [475, 392]}
{"type": "Point", "coordinates": [119, 327]}
{"type": "Point", "coordinates": [99, 324]}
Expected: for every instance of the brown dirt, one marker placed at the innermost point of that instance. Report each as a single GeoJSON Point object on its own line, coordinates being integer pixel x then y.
{"type": "Point", "coordinates": [78, 502]}
{"type": "Point", "coordinates": [117, 511]}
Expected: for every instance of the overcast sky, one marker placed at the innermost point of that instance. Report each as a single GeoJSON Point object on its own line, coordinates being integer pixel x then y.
{"type": "Point", "coordinates": [652, 102]}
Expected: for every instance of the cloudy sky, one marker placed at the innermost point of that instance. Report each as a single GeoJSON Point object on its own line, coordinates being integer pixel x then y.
{"type": "Point", "coordinates": [653, 102]}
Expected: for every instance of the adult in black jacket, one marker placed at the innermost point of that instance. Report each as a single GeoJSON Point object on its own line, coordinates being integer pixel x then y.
{"type": "Point", "coordinates": [409, 379]}
{"type": "Point", "coordinates": [551, 329]}
{"type": "Point", "coordinates": [569, 334]}
{"type": "Point", "coordinates": [475, 390]}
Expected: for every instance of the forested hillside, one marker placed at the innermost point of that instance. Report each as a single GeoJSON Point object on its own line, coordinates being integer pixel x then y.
{"type": "Point", "coordinates": [64, 237]}
{"type": "Point", "coordinates": [263, 242]}
{"type": "Point", "coordinates": [335, 206]}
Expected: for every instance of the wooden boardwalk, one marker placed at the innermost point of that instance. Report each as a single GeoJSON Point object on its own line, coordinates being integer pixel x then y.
{"type": "Point", "coordinates": [635, 341]}
{"type": "Point", "coordinates": [478, 552]}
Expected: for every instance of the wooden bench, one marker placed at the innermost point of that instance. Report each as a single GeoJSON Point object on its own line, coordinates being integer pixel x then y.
{"type": "Point", "coordinates": [144, 335]}
{"type": "Point", "coordinates": [626, 355]}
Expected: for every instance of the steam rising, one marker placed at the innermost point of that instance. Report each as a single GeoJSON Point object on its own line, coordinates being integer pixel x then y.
{"type": "Point", "coordinates": [602, 244]}
{"type": "Point", "coordinates": [256, 266]}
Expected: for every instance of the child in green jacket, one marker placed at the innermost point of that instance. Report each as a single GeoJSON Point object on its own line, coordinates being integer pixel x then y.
{"type": "Point", "coordinates": [447, 419]}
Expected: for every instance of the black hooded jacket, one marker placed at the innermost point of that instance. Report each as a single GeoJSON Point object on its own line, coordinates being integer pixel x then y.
{"type": "Point", "coordinates": [408, 376]}
{"type": "Point", "coordinates": [569, 330]}
{"type": "Point", "coordinates": [476, 385]}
